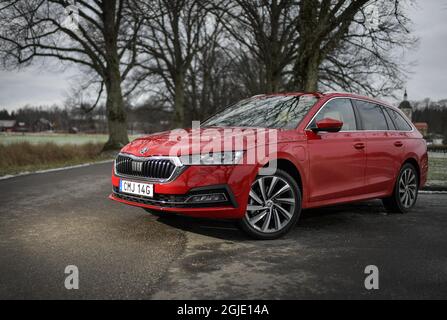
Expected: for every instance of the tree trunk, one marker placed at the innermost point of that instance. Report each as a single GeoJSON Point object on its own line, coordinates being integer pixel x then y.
{"type": "Point", "coordinates": [272, 80]}
{"type": "Point", "coordinates": [273, 71]}
{"type": "Point", "coordinates": [179, 102]}
{"type": "Point", "coordinates": [310, 80]}
{"type": "Point", "coordinates": [306, 70]}
{"type": "Point", "coordinates": [275, 82]}
{"type": "Point", "coordinates": [308, 58]}
{"type": "Point", "coordinates": [116, 116]}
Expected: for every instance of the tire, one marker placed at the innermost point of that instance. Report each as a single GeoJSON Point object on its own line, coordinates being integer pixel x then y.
{"type": "Point", "coordinates": [405, 191]}
{"type": "Point", "coordinates": [269, 216]}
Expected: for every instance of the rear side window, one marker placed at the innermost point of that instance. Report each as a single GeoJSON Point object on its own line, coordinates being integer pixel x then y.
{"type": "Point", "coordinates": [390, 122]}
{"type": "Point", "coordinates": [338, 109]}
{"type": "Point", "coordinates": [399, 121]}
{"type": "Point", "coordinates": [371, 115]}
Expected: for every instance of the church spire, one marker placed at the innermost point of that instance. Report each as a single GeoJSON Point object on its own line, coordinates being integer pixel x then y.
{"type": "Point", "coordinates": [405, 106]}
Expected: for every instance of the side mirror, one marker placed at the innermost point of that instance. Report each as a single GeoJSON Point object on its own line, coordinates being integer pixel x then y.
{"type": "Point", "coordinates": [328, 125]}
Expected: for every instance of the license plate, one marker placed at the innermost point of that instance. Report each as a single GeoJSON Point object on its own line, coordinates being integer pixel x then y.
{"type": "Point", "coordinates": [137, 188]}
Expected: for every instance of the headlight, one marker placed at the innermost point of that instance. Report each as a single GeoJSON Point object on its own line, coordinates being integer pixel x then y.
{"type": "Point", "coordinates": [215, 158]}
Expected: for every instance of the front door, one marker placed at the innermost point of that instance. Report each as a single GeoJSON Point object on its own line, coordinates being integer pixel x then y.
{"type": "Point", "coordinates": [337, 161]}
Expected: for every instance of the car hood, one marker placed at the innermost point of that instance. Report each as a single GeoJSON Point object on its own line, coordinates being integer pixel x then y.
{"type": "Point", "coordinates": [204, 140]}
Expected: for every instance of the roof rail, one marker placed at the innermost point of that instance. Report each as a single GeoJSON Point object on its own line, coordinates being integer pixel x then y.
{"type": "Point", "coordinates": [330, 92]}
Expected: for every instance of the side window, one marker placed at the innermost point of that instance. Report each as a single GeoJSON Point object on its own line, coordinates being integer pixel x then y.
{"type": "Point", "coordinates": [372, 116]}
{"type": "Point", "coordinates": [391, 125]}
{"type": "Point", "coordinates": [401, 123]}
{"type": "Point", "coordinates": [338, 109]}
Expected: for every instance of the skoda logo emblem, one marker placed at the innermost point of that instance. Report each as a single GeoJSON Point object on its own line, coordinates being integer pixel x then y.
{"type": "Point", "coordinates": [144, 150]}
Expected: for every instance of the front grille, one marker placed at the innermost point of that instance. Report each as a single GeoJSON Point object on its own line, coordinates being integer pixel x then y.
{"type": "Point", "coordinates": [151, 168]}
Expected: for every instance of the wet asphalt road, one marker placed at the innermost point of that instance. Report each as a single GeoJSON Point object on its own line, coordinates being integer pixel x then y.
{"type": "Point", "coordinates": [51, 220]}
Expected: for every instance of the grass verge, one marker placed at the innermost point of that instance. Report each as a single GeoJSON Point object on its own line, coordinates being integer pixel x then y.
{"type": "Point", "coordinates": [20, 157]}
{"type": "Point", "coordinates": [57, 138]}
{"type": "Point", "coordinates": [24, 156]}
{"type": "Point", "coordinates": [437, 171]}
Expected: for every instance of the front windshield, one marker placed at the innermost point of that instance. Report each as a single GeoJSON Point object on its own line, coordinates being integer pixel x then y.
{"type": "Point", "coordinates": [279, 112]}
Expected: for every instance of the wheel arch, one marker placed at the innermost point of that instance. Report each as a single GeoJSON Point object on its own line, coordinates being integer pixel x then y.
{"type": "Point", "coordinates": [289, 167]}
{"type": "Point", "coordinates": [415, 163]}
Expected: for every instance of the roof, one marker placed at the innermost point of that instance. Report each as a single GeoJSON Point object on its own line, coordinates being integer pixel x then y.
{"type": "Point", "coordinates": [421, 125]}
{"type": "Point", "coordinates": [318, 94]}
{"type": "Point", "coordinates": [44, 121]}
{"type": "Point", "coordinates": [341, 94]}
{"type": "Point", "coordinates": [338, 92]}
{"type": "Point", "coordinates": [330, 94]}
{"type": "Point", "coordinates": [7, 123]}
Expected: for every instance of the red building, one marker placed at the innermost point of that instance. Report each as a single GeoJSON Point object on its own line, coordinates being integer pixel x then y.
{"type": "Point", "coordinates": [422, 127]}
{"type": "Point", "coordinates": [7, 125]}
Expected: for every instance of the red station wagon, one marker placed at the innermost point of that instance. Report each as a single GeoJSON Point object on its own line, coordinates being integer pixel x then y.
{"type": "Point", "coordinates": [292, 152]}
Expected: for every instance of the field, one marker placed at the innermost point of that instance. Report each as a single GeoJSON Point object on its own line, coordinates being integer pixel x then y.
{"type": "Point", "coordinates": [26, 157]}
{"type": "Point", "coordinates": [437, 173]}
{"type": "Point", "coordinates": [33, 152]}
{"type": "Point", "coordinates": [56, 138]}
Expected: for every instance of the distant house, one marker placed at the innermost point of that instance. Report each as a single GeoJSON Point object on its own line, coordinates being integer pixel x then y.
{"type": "Point", "coordinates": [42, 125]}
{"type": "Point", "coordinates": [7, 125]}
{"type": "Point", "coordinates": [406, 107]}
{"type": "Point", "coordinates": [422, 128]}
{"type": "Point", "coordinates": [73, 130]}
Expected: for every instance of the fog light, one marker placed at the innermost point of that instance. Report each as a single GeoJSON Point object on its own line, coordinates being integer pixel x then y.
{"type": "Point", "coordinates": [213, 197]}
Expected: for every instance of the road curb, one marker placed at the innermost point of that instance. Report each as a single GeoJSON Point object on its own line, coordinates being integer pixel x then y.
{"type": "Point", "coordinates": [434, 189]}
{"type": "Point", "coordinates": [27, 173]}
{"type": "Point", "coordinates": [432, 192]}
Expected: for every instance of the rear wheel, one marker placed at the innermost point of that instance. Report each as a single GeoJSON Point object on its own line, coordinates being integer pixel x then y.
{"type": "Point", "coordinates": [274, 206]}
{"type": "Point", "coordinates": [405, 191]}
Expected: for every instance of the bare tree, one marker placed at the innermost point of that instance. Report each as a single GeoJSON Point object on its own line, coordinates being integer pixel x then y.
{"type": "Point", "coordinates": [341, 47]}
{"type": "Point", "coordinates": [213, 81]}
{"type": "Point", "coordinates": [198, 55]}
{"type": "Point", "coordinates": [99, 35]}
{"type": "Point", "coordinates": [369, 58]}
{"type": "Point", "coordinates": [307, 45]}
{"type": "Point", "coordinates": [266, 31]}
{"type": "Point", "coordinates": [174, 32]}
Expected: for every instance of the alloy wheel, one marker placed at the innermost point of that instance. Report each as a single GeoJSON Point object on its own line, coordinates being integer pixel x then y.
{"type": "Point", "coordinates": [271, 204]}
{"type": "Point", "coordinates": [407, 188]}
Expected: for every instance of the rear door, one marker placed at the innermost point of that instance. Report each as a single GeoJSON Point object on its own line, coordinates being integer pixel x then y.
{"type": "Point", "coordinates": [400, 136]}
{"type": "Point", "coordinates": [381, 156]}
{"type": "Point", "coordinates": [336, 160]}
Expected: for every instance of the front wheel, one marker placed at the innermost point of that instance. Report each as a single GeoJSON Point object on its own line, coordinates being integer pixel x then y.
{"type": "Point", "coordinates": [274, 206]}
{"type": "Point", "coordinates": [405, 191]}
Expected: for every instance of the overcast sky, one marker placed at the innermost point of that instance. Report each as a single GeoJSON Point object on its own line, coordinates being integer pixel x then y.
{"type": "Point", "coordinates": [429, 78]}
{"type": "Point", "coordinates": [38, 86]}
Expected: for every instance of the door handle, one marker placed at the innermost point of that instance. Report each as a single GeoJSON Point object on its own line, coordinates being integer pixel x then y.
{"type": "Point", "coordinates": [359, 145]}
{"type": "Point", "coordinates": [398, 144]}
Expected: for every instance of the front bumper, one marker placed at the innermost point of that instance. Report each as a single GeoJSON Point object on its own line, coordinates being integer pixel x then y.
{"type": "Point", "coordinates": [233, 181]}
